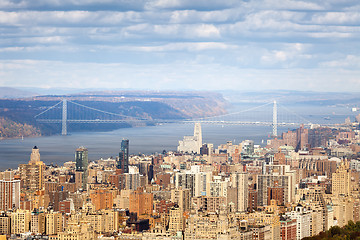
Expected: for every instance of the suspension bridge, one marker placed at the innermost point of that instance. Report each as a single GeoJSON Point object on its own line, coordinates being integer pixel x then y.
{"type": "Point", "coordinates": [270, 114]}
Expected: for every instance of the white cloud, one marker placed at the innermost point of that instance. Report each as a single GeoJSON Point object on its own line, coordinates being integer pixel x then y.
{"type": "Point", "coordinates": [185, 46]}
{"type": "Point", "coordinates": [119, 5]}
{"type": "Point", "coordinates": [191, 16]}
{"type": "Point", "coordinates": [45, 40]}
{"type": "Point", "coordinates": [350, 61]}
{"type": "Point", "coordinates": [337, 18]}
{"type": "Point", "coordinates": [205, 30]}
{"type": "Point", "coordinates": [288, 56]}
{"type": "Point", "coordinates": [12, 49]}
{"type": "Point", "coordinates": [178, 40]}
{"type": "Point", "coordinates": [330, 35]}
{"type": "Point", "coordinates": [287, 5]}
{"type": "Point", "coordinates": [175, 31]}
{"type": "Point", "coordinates": [68, 18]}
{"type": "Point", "coordinates": [190, 4]}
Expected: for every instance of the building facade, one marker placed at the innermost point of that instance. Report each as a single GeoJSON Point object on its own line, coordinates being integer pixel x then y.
{"type": "Point", "coordinates": [123, 161]}
{"type": "Point", "coordinates": [9, 191]}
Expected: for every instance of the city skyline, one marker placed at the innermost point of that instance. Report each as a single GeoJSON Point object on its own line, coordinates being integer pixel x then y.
{"type": "Point", "coordinates": [164, 45]}
{"type": "Point", "coordinates": [292, 188]}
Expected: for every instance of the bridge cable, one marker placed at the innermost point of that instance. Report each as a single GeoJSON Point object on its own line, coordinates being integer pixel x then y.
{"type": "Point", "coordinates": [297, 115]}
{"type": "Point", "coordinates": [229, 114]}
{"type": "Point", "coordinates": [105, 112]}
{"type": "Point", "coordinates": [48, 109]}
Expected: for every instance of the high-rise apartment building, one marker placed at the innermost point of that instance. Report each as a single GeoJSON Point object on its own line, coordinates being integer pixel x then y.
{"type": "Point", "coordinates": [343, 209]}
{"type": "Point", "coordinates": [198, 183]}
{"type": "Point", "coordinates": [208, 204]}
{"type": "Point", "coordinates": [252, 200]}
{"type": "Point", "coordinates": [176, 220]}
{"type": "Point", "coordinates": [302, 137]}
{"type": "Point", "coordinates": [182, 198]}
{"type": "Point", "coordinates": [341, 180]}
{"type": "Point", "coordinates": [5, 226]}
{"type": "Point", "coordinates": [82, 161]}
{"type": "Point", "coordinates": [303, 221]}
{"type": "Point", "coordinates": [275, 185]}
{"type": "Point", "coordinates": [54, 223]}
{"type": "Point", "coordinates": [9, 191]}
{"type": "Point", "coordinates": [218, 187]}
{"type": "Point", "coordinates": [129, 181]}
{"type": "Point", "coordinates": [141, 202]}
{"type": "Point", "coordinates": [123, 161]}
{"type": "Point", "coordinates": [20, 221]}
{"type": "Point", "coordinates": [240, 182]}
{"type": "Point", "coordinates": [37, 222]}
{"type": "Point", "coordinates": [102, 198]}
{"type": "Point", "coordinates": [247, 147]}
{"type": "Point", "coordinates": [32, 174]}
{"type": "Point", "coordinates": [287, 228]}
{"type": "Point", "coordinates": [275, 193]}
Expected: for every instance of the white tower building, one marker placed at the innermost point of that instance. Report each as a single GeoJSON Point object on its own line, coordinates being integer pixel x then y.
{"type": "Point", "coordinates": [192, 143]}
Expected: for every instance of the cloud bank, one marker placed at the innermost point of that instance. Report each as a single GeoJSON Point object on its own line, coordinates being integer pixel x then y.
{"type": "Point", "coordinates": [181, 44]}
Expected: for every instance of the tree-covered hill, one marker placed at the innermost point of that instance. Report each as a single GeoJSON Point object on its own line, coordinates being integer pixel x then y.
{"type": "Point", "coordinates": [11, 129]}
{"type": "Point", "coordinates": [351, 231]}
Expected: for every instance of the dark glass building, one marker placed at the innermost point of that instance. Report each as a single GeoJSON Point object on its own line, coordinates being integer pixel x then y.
{"type": "Point", "coordinates": [82, 162]}
{"type": "Point", "coordinates": [81, 159]}
{"type": "Point", "coordinates": [123, 161]}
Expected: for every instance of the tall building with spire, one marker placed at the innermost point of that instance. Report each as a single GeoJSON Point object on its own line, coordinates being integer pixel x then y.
{"type": "Point", "coordinates": [32, 174]}
{"type": "Point", "coordinates": [123, 161]}
{"type": "Point", "coordinates": [192, 143]}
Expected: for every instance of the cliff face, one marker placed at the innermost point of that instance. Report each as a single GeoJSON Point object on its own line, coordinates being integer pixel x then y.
{"type": "Point", "coordinates": [11, 129]}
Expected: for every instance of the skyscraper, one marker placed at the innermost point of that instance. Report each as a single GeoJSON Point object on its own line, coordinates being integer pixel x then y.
{"type": "Point", "coordinates": [192, 143]}
{"type": "Point", "coordinates": [341, 180]}
{"type": "Point", "coordinates": [32, 174]}
{"type": "Point", "coordinates": [240, 182]}
{"type": "Point", "coordinates": [123, 161]}
{"type": "Point", "coordinates": [81, 159]}
{"type": "Point", "coordinates": [198, 136]}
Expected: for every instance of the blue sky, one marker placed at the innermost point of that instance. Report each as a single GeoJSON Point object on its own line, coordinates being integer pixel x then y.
{"type": "Point", "coordinates": [181, 44]}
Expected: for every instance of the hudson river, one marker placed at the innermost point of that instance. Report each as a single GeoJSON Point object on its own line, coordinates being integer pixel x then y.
{"type": "Point", "coordinates": [59, 149]}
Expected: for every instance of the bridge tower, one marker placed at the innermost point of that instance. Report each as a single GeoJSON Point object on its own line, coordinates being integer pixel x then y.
{"type": "Point", "coordinates": [274, 119]}
{"type": "Point", "coordinates": [64, 118]}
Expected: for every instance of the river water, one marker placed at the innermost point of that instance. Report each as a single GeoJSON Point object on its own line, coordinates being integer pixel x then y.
{"type": "Point", "coordinates": [58, 149]}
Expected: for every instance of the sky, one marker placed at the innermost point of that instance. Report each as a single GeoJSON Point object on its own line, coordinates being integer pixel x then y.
{"type": "Point", "coordinates": [309, 45]}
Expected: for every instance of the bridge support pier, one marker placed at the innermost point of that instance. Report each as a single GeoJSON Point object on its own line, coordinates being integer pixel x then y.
{"type": "Point", "coordinates": [274, 119]}
{"type": "Point", "coordinates": [64, 118]}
